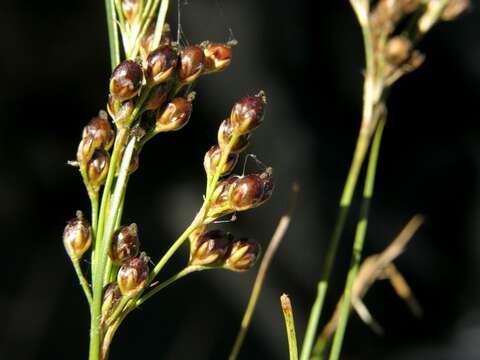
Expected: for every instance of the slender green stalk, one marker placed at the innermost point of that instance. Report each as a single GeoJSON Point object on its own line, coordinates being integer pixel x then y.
{"type": "Point", "coordinates": [118, 310]}
{"type": "Point", "coordinates": [372, 92]}
{"type": "Point", "coordinates": [290, 325]}
{"type": "Point", "coordinates": [147, 18]}
{"type": "Point", "coordinates": [83, 281]}
{"type": "Point", "coordinates": [345, 202]}
{"type": "Point", "coordinates": [162, 13]}
{"type": "Point", "coordinates": [262, 272]}
{"type": "Point", "coordinates": [358, 241]}
{"type": "Point", "coordinates": [112, 33]}
{"type": "Point", "coordinates": [94, 205]}
{"type": "Point", "coordinates": [105, 225]}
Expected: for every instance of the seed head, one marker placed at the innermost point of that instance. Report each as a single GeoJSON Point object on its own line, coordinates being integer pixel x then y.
{"type": "Point", "coordinates": [77, 236]}
{"type": "Point", "coordinates": [212, 159]}
{"type": "Point", "coordinates": [158, 96]}
{"type": "Point", "coordinates": [133, 275]}
{"type": "Point", "coordinates": [191, 64]}
{"type": "Point", "coordinates": [397, 50]}
{"type": "Point", "coordinates": [210, 248]}
{"type": "Point", "coordinates": [225, 133]}
{"type": "Point", "coordinates": [97, 168]}
{"type": "Point", "coordinates": [174, 116]}
{"type": "Point", "coordinates": [130, 10]}
{"type": "Point", "coordinates": [247, 113]}
{"type": "Point", "coordinates": [100, 130]}
{"type": "Point", "coordinates": [160, 64]}
{"type": "Point", "coordinates": [125, 244]}
{"type": "Point", "coordinates": [85, 150]}
{"type": "Point", "coordinates": [243, 255]}
{"type": "Point", "coordinates": [250, 191]}
{"type": "Point", "coordinates": [126, 80]}
{"type": "Point", "coordinates": [217, 57]}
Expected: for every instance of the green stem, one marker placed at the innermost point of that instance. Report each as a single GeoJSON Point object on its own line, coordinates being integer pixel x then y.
{"type": "Point", "coordinates": [371, 96]}
{"type": "Point", "coordinates": [118, 310]}
{"type": "Point", "coordinates": [112, 33]}
{"type": "Point", "coordinates": [100, 246]}
{"type": "Point", "coordinates": [358, 241]}
{"type": "Point", "coordinates": [290, 325]}
{"type": "Point", "coordinates": [94, 205]}
{"type": "Point", "coordinates": [146, 24]}
{"type": "Point", "coordinates": [162, 13]}
{"type": "Point", "coordinates": [345, 202]}
{"type": "Point", "coordinates": [83, 281]}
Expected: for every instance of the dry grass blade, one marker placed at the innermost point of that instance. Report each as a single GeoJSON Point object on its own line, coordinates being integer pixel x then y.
{"type": "Point", "coordinates": [377, 267]}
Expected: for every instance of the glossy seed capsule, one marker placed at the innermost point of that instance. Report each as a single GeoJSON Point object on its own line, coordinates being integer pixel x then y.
{"type": "Point", "coordinates": [247, 113]}
{"type": "Point", "coordinates": [212, 160]}
{"type": "Point", "coordinates": [97, 168]}
{"type": "Point", "coordinates": [210, 248]}
{"type": "Point", "coordinates": [243, 255]}
{"type": "Point", "coordinates": [191, 64]}
{"type": "Point", "coordinates": [77, 236]}
{"type": "Point", "coordinates": [160, 64]}
{"type": "Point", "coordinates": [126, 80]}
{"type": "Point", "coordinates": [217, 57]}
{"type": "Point", "coordinates": [174, 116]}
{"type": "Point", "coordinates": [250, 191]}
{"type": "Point", "coordinates": [132, 276]}
{"type": "Point", "coordinates": [125, 244]}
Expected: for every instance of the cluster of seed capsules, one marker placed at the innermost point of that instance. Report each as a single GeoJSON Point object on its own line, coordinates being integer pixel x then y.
{"type": "Point", "coordinates": [151, 95]}
{"type": "Point", "coordinates": [394, 36]}
{"type": "Point", "coordinates": [234, 193]}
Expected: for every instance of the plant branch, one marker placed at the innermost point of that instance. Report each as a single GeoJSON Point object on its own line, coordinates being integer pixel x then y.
{"type": "Point", "coordinates": [112, 33]}
{"type": "Point", "coordinates": [83, 281]}
{"type": "Point", "coordinates": [359, 240]}
{"type": "Point", "coordinates": [370, 113]}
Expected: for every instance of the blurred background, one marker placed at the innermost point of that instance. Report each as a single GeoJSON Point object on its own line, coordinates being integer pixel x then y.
{"type": "Point", "coordinates": [54, 67]}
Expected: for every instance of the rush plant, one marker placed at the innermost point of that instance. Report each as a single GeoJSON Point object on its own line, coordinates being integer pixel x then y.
{"type": "Point", "coordinates": [150, 92]}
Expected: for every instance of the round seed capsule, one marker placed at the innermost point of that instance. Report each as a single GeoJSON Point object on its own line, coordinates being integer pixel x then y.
{"type": "Point", "coordinates": [126, 80]}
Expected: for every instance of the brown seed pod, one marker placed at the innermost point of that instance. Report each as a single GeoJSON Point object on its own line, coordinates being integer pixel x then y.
{"type": "Point", "coordinates": [100, 130]}
{"type": "Point", "coordinates": [77, 236]}
{"type": "Point", "coordinates": [210, 248]}
{"type": "Point", "coordinates": [157, 96]}
{"type": "Point", "coordinates": [125, 244]}
{"type": "Point", "coordinates": [160, 64]}
{"type": "Point", "coordinates": [212, 159]}
{"type": "Point", "coordinates": [243, 255]}
{"type": "Point", "coordinates": [247, 113]}
{"type": "Point", "coordinates": [250, 191]}
{"type": "Point", "coordinates": [217, 57]}
{"type": "Point", "coordinates": [126, 80]}
{"type": "Point", "coordinates": [174, 116]}
{"type": "Point", "coordinates": [97, 168]}
{"type": "Point", "coordinates": [85, 150]}
{"type": "Point", "coordinates": [225, 133]}
{"type": "Point", "coordinates": [397, 50]}
{"type": "Point", "coordinates": [191, 64]}
{"type": "Point", "coordinates": [130, 10]}
{"type": "Point", "coordinates": [132, 276]}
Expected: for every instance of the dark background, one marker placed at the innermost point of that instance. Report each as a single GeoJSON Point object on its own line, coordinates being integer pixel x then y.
{"type": "Point", "coordinates": [54, 69]}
